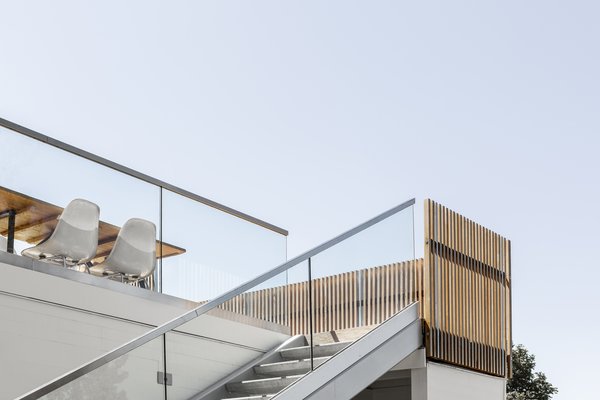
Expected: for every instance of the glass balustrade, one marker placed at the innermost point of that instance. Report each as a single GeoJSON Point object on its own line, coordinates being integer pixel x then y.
{"type": "Point", "coordinates": [361, 282]}
{"type": "Point", "coordinates": [204, 250]}
{"type": "Point", "coordinates": [336, 292]}
{"type": "Point", "coordinates": [221, 250]}
{"type": "Point", "coordinates": [37, 182]}
{"type": "Point", "coordinates": [202, 351]}
{"type": "Point", "coordinates": [135, 375]}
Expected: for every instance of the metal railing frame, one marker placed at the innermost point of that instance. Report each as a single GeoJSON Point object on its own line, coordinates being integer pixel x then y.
{"type": "Point", "coordinates": [136, 174]}
{"type": "Point", "coordinates": [203, 309]}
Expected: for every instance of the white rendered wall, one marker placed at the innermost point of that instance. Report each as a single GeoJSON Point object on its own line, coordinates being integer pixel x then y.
{"type": "Point", "coordinates": [50, 325]}
{"type": "Point", "coordinates": [442, 382]}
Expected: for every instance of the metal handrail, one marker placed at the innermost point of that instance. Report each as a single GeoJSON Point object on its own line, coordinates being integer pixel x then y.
{"type": "Point", "coordinates": [136, 174]}
{"type": "Point", "coordinates": [198, 311]}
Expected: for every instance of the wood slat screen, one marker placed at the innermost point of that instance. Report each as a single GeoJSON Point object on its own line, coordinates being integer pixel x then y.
{"type": "Point", "coordinates": [349, 300]}
{"type": "Point", "coordinates": [467, 308]}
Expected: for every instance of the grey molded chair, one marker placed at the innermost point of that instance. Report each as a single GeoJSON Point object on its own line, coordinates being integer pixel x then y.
{"type": "Point", "coordinates": [75, 238]}
{"type": "Point", "coordinates": [133, 256]}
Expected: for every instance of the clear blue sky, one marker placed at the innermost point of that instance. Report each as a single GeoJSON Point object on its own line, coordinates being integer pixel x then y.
{"type": "Point", "coordinates": [317, 115]}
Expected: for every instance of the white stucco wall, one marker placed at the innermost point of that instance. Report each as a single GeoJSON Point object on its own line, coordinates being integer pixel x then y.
{"type": "Point", "coordinates": [442, 382]}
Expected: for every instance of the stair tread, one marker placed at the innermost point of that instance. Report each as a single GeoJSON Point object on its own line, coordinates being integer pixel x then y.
{"type": "Point", "coordinates": [293, 361]}
{"type": "Point", "coordinates": [324, 345]}
{"type": "Point", "coordinates": [264, 386]}
{"type": "Point", "coordinates": [292, 367]}
{"type": "Point", "coordinates": [271, 379]}
{"type": "Point", "coordinates": [322, 350]}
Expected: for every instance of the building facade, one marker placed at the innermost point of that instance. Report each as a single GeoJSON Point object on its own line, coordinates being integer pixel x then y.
{"type": "Point", "coordinates": [222, 313]}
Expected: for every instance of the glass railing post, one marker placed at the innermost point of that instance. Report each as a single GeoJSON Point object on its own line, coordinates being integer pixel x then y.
{"type": "Point", "coordinates": [310, 314]}
{"type": "Point", "coordinates": [165, 369]}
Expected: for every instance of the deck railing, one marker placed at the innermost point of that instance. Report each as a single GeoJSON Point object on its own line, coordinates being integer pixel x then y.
{"type": "Point", "coordinates": [160, 353]}
{"type": "Point", "coordinates": [349, 300]}
{"type": "Point", "coordinates": [462, 285]}
{"type": "Point", "coordinates": [203, 249]}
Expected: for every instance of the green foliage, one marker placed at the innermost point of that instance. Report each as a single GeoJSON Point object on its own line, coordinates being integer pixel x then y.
{"type": "Point", "coordinates": [526, 384]}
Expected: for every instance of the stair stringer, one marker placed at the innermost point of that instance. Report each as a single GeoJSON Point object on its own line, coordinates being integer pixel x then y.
{"type": "Point", "coordinates": [358, 365]}
{"type": "Point", "coordinates": [218, 390]}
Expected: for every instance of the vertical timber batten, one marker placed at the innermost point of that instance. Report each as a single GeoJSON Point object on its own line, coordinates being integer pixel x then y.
{"type": "Point", "coordinates": [467, 293]}
{"type": "Point", "coordinates": [463, 286]}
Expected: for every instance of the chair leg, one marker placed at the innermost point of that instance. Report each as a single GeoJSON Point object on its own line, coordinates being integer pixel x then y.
{"type": "Point", "coordinates": [55, 259]}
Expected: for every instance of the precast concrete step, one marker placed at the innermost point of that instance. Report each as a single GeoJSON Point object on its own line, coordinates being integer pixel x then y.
{"type": "Point", "coordinates": [262, 386]}
{"type": "Point", "coordinates": [286, 368]}
{"type": "Point", "coordinates": [319, 350]}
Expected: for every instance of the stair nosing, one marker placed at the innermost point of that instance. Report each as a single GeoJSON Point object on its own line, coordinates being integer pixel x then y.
{"type": "Point", "coordinates": [285, 362]}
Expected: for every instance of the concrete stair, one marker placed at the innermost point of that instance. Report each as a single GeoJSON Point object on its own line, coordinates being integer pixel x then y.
{"type": "Point", "coordinates": [323, 350]}
{"type": "Point", "coordinates": [271, 378]}
{"type": "Point", "coordinates": [285, 368]}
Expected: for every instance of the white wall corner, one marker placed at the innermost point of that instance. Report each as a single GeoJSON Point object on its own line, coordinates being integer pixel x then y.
{"type": "Point", "coordinates": [446, 382]}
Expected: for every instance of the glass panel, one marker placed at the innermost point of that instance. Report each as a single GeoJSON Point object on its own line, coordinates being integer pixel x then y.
{"type": "Point", "coordinates": [206, 349]}
{"type": "Point", "coordinates": [206, 253]}
{"type": "Point", "coordinates": [130, 377]}
{"type": "Point", "coordinates": [359, 282]}
{"type": "Point", "coordinates": [37, 181]}
{"type": "Point", "coordinates": [220, 251]}
{"type": "Point", "coordinates": [327, 298]}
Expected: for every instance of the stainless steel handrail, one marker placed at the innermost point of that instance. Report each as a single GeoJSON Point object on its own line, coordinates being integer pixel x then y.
{"type": "Point", "coordinates": [190, 315]}
{"type": "Point", "coordinates": [131, 172]}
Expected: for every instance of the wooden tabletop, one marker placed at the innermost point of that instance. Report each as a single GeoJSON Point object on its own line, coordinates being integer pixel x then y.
{"type": "Point", "coordinates": [36, 219]}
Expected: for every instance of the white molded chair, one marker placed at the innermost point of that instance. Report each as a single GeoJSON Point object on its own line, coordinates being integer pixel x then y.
{"type": "Point", "coordinates": [133, 256]}
{"type": "Point", "coordinates": [75, 238]}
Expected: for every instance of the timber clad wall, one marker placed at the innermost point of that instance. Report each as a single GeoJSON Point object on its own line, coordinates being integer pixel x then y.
{"type": "Point", "coordinates": [467, 292]}
{"type": "Point", "coordinates": [349, 300]}
{"type": "Point", "coordinates": [462, 285]}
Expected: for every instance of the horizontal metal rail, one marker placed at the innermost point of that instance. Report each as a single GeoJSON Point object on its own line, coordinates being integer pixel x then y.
{"type": "Point", "coordinates": [131, 172]}
{"type": "Point", "coordinates": [190, 315]}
